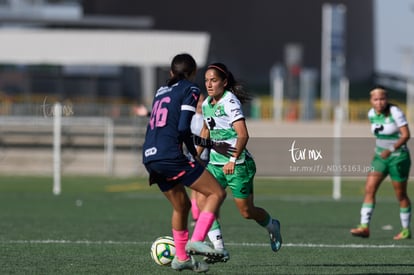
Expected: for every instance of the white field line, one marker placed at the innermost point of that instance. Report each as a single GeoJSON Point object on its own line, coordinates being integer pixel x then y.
{"type": "Point", "coordinates": [299, 245]}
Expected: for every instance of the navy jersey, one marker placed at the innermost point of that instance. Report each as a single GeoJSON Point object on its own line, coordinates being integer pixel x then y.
{"type": "Point", "coordinates": [170, 121]}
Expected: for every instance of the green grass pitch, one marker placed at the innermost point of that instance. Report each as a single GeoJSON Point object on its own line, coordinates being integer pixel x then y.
{"type": "Point", "coordinates": [102, 225]}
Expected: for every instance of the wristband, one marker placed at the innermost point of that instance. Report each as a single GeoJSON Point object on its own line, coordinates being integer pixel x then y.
{"type": "Point", "coordinates": [232, 159]}
{"type": "Point", "coordinates": [391, 148]}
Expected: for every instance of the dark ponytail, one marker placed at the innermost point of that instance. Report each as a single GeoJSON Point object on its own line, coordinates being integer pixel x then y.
{"type": "Point", "coordinates": [183, 66]}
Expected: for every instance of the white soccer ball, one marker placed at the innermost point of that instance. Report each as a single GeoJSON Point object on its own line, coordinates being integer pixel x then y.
{"type": "Point", "coordinates": [163, 250]}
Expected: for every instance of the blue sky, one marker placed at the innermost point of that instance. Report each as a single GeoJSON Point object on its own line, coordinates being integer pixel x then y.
{"type": "Point", "coordinates": [394, 36]}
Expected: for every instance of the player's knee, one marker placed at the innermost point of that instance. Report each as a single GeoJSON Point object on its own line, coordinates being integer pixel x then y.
{"type": "Point", "coordinates": [221, 194]}
{"type": "Point", "coordinates": [218, 196]}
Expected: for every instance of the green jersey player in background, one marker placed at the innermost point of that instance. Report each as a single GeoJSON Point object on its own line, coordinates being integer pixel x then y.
{"type": "Point", "coordinates": [390, 127]}
{"type": "Point", "coordinates": [224, 121]}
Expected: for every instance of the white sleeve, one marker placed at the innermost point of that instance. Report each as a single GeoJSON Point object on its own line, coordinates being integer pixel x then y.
{"type": "Point", "coordinates": [398, 115]}
{"type": "Point", "coordinates": [234, 109]}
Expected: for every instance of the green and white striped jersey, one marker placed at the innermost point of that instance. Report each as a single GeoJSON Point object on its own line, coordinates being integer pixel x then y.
{"type": "Point", "coordinates": [219, 119]}
{"type": "Point", "coordinates": [386, 127]}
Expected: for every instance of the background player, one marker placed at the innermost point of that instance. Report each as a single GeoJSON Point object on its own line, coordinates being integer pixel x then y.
{"type": "Point", "coordinates": [390, 127]}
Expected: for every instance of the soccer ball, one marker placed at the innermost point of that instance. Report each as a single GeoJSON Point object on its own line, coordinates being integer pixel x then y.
{"type": "Point", "coordinates": [163, 250]}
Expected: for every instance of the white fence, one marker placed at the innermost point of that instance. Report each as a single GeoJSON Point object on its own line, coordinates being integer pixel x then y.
{"type": "Point", "coordinates": [89, 145]}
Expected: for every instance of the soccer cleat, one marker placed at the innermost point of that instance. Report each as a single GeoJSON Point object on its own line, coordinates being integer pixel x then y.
{"type": "Point", "coordinates": [201, 248]}
{"type": "Point", "coordinates": [361, 231]}
{"type": "Point", "coordinates": [190, 264]}
{"type": "Point", "coordinates": [403, 235]}
{"type": "Point", "coordinates": [275, 236]}
{"type": "Point", "coordinates": [223, 259]}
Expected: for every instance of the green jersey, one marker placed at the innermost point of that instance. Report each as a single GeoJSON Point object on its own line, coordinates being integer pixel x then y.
{"type": "Point", "coordinates": [219, 119]}
{"type": "Point", "coordinates": [386, 128]}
